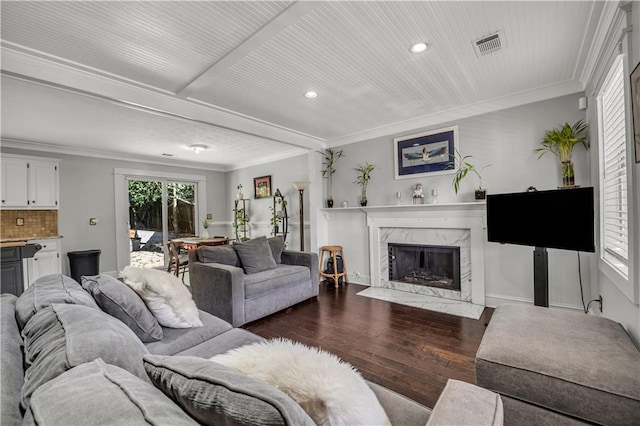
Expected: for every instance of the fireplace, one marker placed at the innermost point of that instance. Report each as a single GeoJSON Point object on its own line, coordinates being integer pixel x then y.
{"type": "Point", "coordinates": [425, 265]}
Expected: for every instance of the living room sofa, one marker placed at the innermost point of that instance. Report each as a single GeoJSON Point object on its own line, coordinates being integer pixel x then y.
{"type": "Point", "coordinates": [224, 285]}
{"type": "Point", "coordinates": [66, 361]}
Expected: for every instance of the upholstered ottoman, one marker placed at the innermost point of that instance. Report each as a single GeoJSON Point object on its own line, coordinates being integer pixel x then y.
{"type": "Point", "coordinates": [554, 366]}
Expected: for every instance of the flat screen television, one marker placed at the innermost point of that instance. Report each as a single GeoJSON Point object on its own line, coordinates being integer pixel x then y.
{"type": "Point", "coordinates": [561, 219]}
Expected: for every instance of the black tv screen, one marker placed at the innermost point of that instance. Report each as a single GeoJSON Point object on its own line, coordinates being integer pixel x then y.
{"type": "Point", "coordinates": [562, 219]}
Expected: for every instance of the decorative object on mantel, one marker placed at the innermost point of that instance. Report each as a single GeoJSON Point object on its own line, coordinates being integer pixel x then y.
{"type": "Point", "coordinates": [418, 197]}
{"type": "Point", "coordinates": [279, 216]}
{"type": "Point", "coordinates": [464, 167]}
{"type": "Point", "coordinates": [301, 186]}
{"type": "Point", "coordinates": [363, 180]}
{"type": "Point", "coordinates": [425, 154]}
{"type": "Point", "coordinates": [434, 197]}
{"type": "Point", "coordinates": [331, 156]}
{"type": "Point", "coordinates": [399, 198]}
{"type": "Point", "coordinates": [205, 224]}
{"type": "Point", "coordinates": [239, 195]}
{"type": "Point", "coordinates": [560, 142]}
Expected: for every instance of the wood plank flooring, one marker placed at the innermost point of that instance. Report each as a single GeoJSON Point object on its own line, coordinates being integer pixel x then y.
{"type": "Point", "coordinates": [409, 350]}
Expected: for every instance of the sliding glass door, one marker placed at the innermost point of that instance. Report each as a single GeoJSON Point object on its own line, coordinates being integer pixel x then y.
{"type": "Point", "coordinates": [159, 210]}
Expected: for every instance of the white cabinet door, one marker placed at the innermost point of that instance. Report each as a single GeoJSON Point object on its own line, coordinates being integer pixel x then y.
{"type": "Point", "coordinates": [15, 182]}
{"type": "Point", "coordinates": [43, 184]}
{"type": "Point", "coordinates": [44, 262]}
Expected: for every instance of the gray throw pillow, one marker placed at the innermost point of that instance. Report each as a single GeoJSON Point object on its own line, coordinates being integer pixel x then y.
{"type": "Point", "coordinates": [255, 255]}
{"type": "Point", "coordinates": [219, 254]}
{"type": "Point", "coordinates": [214, 394]}
{"type": "Point", "coordinates": [63, 336]}
{"type": "Point", "coordinates": [54, 288]}
{"type": "Point", "coordinates": [277, 247]}
{"type": "Point", "coordinates": [120, 301]}
{"type": "Point", "coordinates": [98, 393]}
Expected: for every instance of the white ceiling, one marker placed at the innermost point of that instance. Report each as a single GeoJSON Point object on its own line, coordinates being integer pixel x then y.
{"type": "Point", "coordinates": [138, 80]}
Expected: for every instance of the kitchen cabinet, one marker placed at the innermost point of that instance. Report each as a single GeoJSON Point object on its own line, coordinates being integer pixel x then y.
{"type": "Point", "coordinates": [11, 271]}
{"type": "Point", "coordinates": [46, 261]}
{"type": "Point", "coordinates": [29, 182]}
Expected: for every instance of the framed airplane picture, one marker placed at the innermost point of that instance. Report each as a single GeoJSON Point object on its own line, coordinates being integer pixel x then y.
{"type": "Point", "coordinates": [426, 154]}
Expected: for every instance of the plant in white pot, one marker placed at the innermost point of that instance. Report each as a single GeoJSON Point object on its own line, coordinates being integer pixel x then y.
{"type": "Point", "coordinates": [363, 179]}
{"type": "Point", "coordinates": [206, 223]}
{"type": "Point", "coordinates": [331, 156]}
{"type": "Point", "coordinates": [560, 142]}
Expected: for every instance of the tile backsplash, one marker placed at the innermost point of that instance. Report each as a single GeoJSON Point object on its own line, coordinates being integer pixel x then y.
{"type": "Point", "coordinates": [37, 224]}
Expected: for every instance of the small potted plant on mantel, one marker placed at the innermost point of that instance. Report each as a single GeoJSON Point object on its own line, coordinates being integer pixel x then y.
{"type": "Point", "coordinates": [466, 167]}
{"type": "Point", "coordinates": [363, 180]}
{"type": "Point", "coordinates": [560, 142]}
{"type": "Point", "coordinates": [331, 156]}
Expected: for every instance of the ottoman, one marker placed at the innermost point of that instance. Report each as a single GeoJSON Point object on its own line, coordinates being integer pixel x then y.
{"type": "Point", "coordinates": [551, 363]}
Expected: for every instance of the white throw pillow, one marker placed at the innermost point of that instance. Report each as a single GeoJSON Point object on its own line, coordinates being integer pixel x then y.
{"type": "Point", "coordinates": [165, 295]}
{"type": "Point", "coordinates": [330, 390]}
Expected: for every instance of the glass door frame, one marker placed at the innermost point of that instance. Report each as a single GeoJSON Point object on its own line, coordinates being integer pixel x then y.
{"type": "Point", "coordinates": [121, 187]}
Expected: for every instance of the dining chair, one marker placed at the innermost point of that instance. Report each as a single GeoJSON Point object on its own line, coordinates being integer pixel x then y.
{"type": "Point", "coordinates": [177, 262]}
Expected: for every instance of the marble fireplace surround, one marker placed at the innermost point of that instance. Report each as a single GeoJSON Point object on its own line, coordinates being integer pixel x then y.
{"type": "Point", "coordinates": [459, 224]}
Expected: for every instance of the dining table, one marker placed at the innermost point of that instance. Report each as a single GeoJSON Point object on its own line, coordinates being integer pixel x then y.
{"type": "Point", "coordinates": [192, 243]}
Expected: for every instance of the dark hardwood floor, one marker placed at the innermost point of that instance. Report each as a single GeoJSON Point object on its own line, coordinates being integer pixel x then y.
{"type": "Point", "coordinates": [409, 350]}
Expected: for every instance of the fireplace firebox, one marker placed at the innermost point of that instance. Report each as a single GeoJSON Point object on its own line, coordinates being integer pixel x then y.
{"type": "Point", "coordinates": [426, 265]}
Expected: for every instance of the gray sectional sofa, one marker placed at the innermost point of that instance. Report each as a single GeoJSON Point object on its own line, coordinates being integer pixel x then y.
{"type": "Point", "coordinates": [65, 360]}
{"type": "Point", "coordinates": [250, 280]}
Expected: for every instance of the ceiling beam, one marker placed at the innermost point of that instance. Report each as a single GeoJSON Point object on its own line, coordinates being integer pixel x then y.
{"type": "Point", "coordinates": [285, 19]}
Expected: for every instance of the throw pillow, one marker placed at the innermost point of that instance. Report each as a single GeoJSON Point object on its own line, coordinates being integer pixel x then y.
{"type": "Point", "coordinates": [54, 288]}
{"type": "Point", "coordinates": [330, 390]}
{"type": "Point", "coordinates": [277, 247]}
{"type": "Point", "coordinates": [97, 393]}
{"type": "Point", "coordinates": [166, 296]}
{"type": "Point", "coordinates": [255, 255]}
{"type": "Point", "coordinates": [118, 300]}
{"type": "Point", "coordinates": [63, 336]}
{"type": "Point", "coordinates": [219, 254]}
{"type": "Point", "coordinates": [216, 395]}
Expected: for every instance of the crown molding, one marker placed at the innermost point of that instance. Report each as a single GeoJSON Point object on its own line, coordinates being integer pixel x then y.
{"type": "Point", "coordinates": [510, 101]}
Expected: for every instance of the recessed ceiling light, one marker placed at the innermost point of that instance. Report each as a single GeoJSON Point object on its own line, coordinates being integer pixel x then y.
{"type": "Point", "coordinates": [419, 47]}
{"type": "Point", "coordinates": [198, 147]}
{"type": "Point", "coordinates": [167, 155]}
{"type": "Point", "coordinates": [311, 94]}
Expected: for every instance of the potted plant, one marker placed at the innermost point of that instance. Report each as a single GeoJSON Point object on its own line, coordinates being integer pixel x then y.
{"type": "Point", "coordinates": [329, 163]}
{"type": "Point", "coordinates": [466, 167]}
{"type": "Point", "coordinates": [239, 195]}
{"type": "Point", "coordinates": [560, 142]}
{"type": "Point", "coordinates": [363, 180]}
{"type": "Point", "coordinates": [205, 224]}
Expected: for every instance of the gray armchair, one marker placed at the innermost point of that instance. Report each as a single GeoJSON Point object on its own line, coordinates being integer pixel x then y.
{"type": "Point", "coordinates": [221, 286]}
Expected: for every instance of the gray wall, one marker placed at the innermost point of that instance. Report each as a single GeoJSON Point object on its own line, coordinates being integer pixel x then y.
{"type": "Point", "coordinates": [506, 140]}
{"type": "Point", "coordinates": [87, 190]}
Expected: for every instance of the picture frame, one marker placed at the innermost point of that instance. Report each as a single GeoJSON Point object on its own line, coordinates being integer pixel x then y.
{"type": "Point", "coordinates": [262, 187]}
{"type": "Point", "coordinates": [635, 109]}
{"type": "Point", "coordinates": [429, 153]}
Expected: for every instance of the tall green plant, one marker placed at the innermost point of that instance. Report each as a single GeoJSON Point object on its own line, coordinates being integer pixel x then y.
{"type": "Point", "coordinates": [364, 177]}
{"type": "Point", "coordinates": [465, 167]}
{"type": "Point", "coordinates": [331, 156]}
{"type": "Point", "coordinates": [560, 141]}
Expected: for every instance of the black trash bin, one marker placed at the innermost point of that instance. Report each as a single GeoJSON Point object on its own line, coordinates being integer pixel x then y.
{"type": "Point", "coordinates": [85, 262]}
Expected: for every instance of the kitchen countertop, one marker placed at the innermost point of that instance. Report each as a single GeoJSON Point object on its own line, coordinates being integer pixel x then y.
{"type": "Point", "coordinates": [26, 240]}
{"type": "Point", "coordinates": [13, 244]}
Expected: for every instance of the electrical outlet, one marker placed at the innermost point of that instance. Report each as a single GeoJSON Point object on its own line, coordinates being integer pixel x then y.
{"type": "Point", "coordinates": [356, 274]}
{"type": "Point", "coordinates": [600, 303]}
{"type": "Point", "coordinates": [93, 221]}
{"type": "Point", "coordinates": [19, 221]}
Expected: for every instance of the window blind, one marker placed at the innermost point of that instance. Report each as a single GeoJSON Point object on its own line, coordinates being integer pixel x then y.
{"type": "Point", "coordinates": [614, 221]}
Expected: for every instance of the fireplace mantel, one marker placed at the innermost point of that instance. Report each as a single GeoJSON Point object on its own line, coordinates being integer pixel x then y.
{"type": "Point", "coordinates": [409, 208]}
{"type": "Point", "coordinates": [403, 221]}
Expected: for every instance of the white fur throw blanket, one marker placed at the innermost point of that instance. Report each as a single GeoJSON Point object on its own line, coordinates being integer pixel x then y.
{"type": "Point", "coordinates": [330, 390]}
{"type": "Point", "coordinates": [165, 295]}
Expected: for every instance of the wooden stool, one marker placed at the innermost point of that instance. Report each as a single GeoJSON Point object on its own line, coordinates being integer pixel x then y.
{"type": "Point", "coordinates": [333, 252]}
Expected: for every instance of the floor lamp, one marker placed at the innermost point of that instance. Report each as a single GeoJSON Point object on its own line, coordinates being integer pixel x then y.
{"type": "Point", "coordinates": [301, 186]}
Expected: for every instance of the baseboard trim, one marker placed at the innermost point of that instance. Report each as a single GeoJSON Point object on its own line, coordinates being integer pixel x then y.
{"type": "Point", "coordinates": [495, 300]}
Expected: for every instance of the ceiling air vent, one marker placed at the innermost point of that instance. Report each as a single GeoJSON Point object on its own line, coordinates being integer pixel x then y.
{"type": "Point", "coordinates": [489, 44]}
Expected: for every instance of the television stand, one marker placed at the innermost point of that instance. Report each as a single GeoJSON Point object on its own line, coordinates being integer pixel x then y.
{"type": "Point", "coordinates": [541, 277]}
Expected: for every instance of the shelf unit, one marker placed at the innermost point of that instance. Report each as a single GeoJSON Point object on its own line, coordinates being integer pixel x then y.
{"type": "Point", "coordinates": [241, 220]}
{"type": "Point", "coordinates": [280, 218]}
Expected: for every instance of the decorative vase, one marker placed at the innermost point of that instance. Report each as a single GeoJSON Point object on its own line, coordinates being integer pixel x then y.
{"type": "Point", "coordinates": [330, 202]}
{"type": "Point", "coordinates": [205, 233]}
{"type": "Point", "coordinates": [480, 194]}
{"type": "Point", "coordinates": [240, 196]}
{"type": "Point", "coordinates": [568, 176]}
{"type": "Point", "coordinates": [363, 200]}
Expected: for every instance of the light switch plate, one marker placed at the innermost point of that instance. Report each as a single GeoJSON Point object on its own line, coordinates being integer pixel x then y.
{"type": "Point", "coordinates": [93, 221]}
